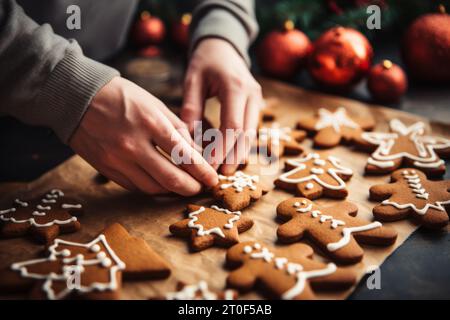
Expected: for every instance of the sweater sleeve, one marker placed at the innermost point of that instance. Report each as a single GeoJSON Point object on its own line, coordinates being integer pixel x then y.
{"type": "Point", "coordinates": [231, 20]}
{"type": "Point", "coordinates": [44, 79]}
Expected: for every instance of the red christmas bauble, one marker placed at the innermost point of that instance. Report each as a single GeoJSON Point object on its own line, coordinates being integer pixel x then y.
{"type": "Point", "coordinates": [148, 30]}
{"type": "Point", "coordinates": [387, 82]}
{"type": "Point", "coordinates": [426, 48]}
{"type": "Point", "coordinates": [180, 31]}
{"type": "Point", "coordinates": [282, 53]}
{"type": "Point", "coordinates": [340, 58]}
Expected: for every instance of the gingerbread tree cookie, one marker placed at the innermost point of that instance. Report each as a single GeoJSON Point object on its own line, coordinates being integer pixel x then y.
{"type": "Point", "coordinates": [286, 273]}
{"type": "Point", "coordinates": [411, 194]}
{"type": "Point", "coordinates": [92, 270]}
{"type": "Point", "coordinates": [44, 217]}
{"type": "Point", "coordinates": [198, 291]}
{"type": "Point", "coordinates": [335, 229]}
{"type": "Point", "coordinates": [236, 192]}
{"type": "Point", "coordinates": [211, 226]}
{"type": "Point", "coordinates": [313, 177]}
{"type": "Point", "coordinates": [334, 127]}
{"type": "Point", "coordinates": [280, 141]}
{"type": "Point", "coordinates": [404, 147]}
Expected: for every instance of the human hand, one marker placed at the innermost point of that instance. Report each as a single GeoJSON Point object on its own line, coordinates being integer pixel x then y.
{"type": "Point", "coordinates": [118, 134]}
{"type": "Point", "coordinates": [216, 69]}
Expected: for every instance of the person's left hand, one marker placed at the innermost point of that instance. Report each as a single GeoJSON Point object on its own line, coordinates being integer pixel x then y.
{"type": "Point", "coordinates": [216, 69]}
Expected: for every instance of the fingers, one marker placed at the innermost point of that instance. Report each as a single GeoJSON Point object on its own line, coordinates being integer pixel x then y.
{"type": "Point", "coordinates": [244, 143]}
{"type": "Point", "coordinates": [166, 173]}
{"type": "Point", "coordinates": [193, 102]}
{"type": "Point", "coordinates": [233, 102]}
{"type": "Point", "coordinates": [183, 154]}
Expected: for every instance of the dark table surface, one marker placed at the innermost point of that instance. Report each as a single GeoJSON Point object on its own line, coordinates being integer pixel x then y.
{"type": "Point", "coordinates": [419, 269]}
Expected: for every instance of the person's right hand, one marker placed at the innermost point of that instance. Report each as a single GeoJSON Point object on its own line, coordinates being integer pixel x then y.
{"type": "Point", "coordinates": [118, 134]}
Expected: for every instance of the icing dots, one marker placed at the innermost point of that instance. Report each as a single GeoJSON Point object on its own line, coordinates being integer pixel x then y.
{"type": "Point", "coordinates": [239, 181]}
{"type": "Point", "coordinates": [105, 258]}
{"type": "Point", "coordinates": [330, 167]}
{"type": "Point", "coordinates": [257, 251]}
{"type": "Point", "coordinates": [305, 207]}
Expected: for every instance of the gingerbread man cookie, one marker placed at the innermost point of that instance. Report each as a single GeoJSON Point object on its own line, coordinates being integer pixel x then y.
{"type": "Point", "coordinates": [92, 270]}
{"type": "Point", "coordinates": [334, 229]}
{"type": "Point", "coordinates": [236, 192]}
{"type": "Point", "coordinates": [44, 217]}
{"type": "Point", "coordinates": [334, 127]}
{"type": "Point", "coordinates": [209, 226]}
{"type": "Point", "coordinates": [280, 141]}
{"type": "Point", "coordinates": [411, 194]}
{"type": "Point", "coordinates": [198, 291]}
{"type": "Point", "coordinates": [286, 273]}
{"type": "Point", "coordinates": [313, 177]}
{"type": "Point", "coordinates": [404, 147]}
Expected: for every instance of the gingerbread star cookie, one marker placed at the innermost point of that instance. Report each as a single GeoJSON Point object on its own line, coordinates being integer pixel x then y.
{"type": "Point", "coordinates": [334, 127]}
{"type": "Point", "coordinates": [411, 194]}
{"type": "Point", "coordinates": [198, 291]}
{"type": "Point", "coordinates": [238, 191]}
{"type": "Point", "coordinates": [286, 273]}
{"type": "Point", "coordinates": [211, 226]}
{"type": "Point", "coordinates": [313, 177]}
{"type": "Point", "coordinates": [335, 229]}
{"type": "Point", "coordinates": [93, 270]}
{"type": "Point", "coordinates": [279, 141]}
{"type": "Point", "coordinates": [404, 146]}
{"type": "Point", "coordinates": [44, 217]}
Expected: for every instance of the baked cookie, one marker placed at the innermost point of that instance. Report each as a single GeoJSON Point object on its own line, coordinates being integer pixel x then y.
{"type": "Point", "coordinates": [286, 273]}
{"type": "Point", "coordinates": [280, 141]}
{"type": "Point", "coordinates": [236, 192]}
{"type": "Point", "coordinates": [211, 226]}
{"type": "Point", "coordinates": [313, 177]}
{"type": "Point", "coordinates": [92, 270]}
{"type": "Point", "coordinates": [404, 147]}
{"type": "Point", "coordinates": [44, 217]}
{"type": "Point", "coordinates": [198, 291]}
{"type": "Point", "coordinates": [335, 229]}
{"type": "Point", "coordinates": [411, 194]}
{"type": "Point", "coordinates": [334, 127]}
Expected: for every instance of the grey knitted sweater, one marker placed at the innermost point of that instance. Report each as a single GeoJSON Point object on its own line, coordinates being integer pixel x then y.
{"type": "Point", "coordinates": [47, 80]}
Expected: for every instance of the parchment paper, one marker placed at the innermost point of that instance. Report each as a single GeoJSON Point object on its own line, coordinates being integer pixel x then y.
{"type": "Point", "coordinates": [149, 217]}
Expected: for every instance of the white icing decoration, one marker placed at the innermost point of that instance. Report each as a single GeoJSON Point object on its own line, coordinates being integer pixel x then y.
{"type": "Point", "coordinates": [336, 119]}
{"type": "Point", "coordinates": [292, 269]}
{"type": "Point", "coordinates": [320, 162]}
{"type": "Point", "coordinates": [50, 198]}
{"type": "Point", "coordinates": [309, 186]}
{"type": "Point", "coordinates": [335, 223]}
{"type": "Point", "coordinates": [113, 263]}
{"type": "Point", "coordinates": [425, 146]}
{"type": "Point", "coordinates": [199, 291]}
{"type": "Point", "coordinates": [95, 248]}
{"type": "Point", "coordinates": [317, 171]}
{"type": "Point", "coordinates": [38, 213]}
{"type": "Point", "coordinates": [217, 230]}
{"type": "Point", "coordinates": [275, 133]}
{"type": "Point", "coordinates": [239, 181]}
{"type": "Point", "coordinates": [71, 206]}
{"type": "Point", "coordinates": [22, 203]}
{"type": "Point", "coordinates": [299, 164]}
{"type": "Point", "coordinates": [415, 185]}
